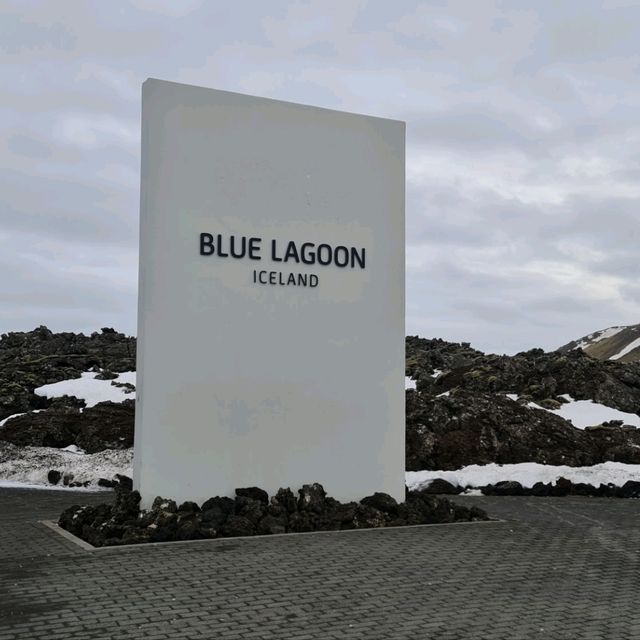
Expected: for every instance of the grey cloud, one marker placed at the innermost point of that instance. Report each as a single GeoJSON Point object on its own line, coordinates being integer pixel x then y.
{"type": "Point", "coordinates": [522, 199]}
{"type": "Point", "coordinates": [73, 212]}
{"type": "Point", "coordinates": [18, 34]}
{"type": "Point", "coordinates": [27, 146]}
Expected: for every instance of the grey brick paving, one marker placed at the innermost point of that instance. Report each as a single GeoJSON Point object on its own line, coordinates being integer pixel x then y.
{"type": "Point", "coordinates": [556, 569]}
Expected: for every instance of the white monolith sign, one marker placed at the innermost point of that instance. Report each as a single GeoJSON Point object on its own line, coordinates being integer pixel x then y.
{"type": "Point", "coordinates": [271, 303]}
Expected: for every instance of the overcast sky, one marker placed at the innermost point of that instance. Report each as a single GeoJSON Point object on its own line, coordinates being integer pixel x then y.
{"type": "Point", "coordinates": [523, 148]}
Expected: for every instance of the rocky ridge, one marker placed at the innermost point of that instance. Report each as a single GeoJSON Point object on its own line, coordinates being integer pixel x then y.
{"type": "Point", "coordinates": [107, 425]}
{"type": "Point", "coordinates": [29, 360]}
{"type": "Point", "coordinates": [460, 413]}
{"type": "Point", "coordinates": [32, 359]}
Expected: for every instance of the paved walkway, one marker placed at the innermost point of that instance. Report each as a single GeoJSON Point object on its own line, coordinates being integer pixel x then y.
{"type": "Point", "coordinates": [558, 568]}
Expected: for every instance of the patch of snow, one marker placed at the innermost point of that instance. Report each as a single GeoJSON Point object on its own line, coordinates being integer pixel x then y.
{"type": "Point", "coordinates": [628, 349]}
{"type": "Point", "coordinates": [527, 474]}
{"type": "Point", "coordinates": [30, 465]}
{"type": "Point", "coordinates": [436, 373]}
{"type": "Point", "coordinates": [89, 389]}
{"type": "Point", "coordinates": [14, 415]}
{"type": "Point", "coordinates": [11, 484]}
{"type": "Point", "coordinates": [126, 376]}
{"type": "Point", "coordinates": [585, 413]}
{"type": "Point", "coordinates": [444, 394]}
{"type": "Point", "coordinates": [409, 383]}
{"type": "Point", "coordinates": [74, 448]}
{"type": "Point", "coordinates": [17, 415]}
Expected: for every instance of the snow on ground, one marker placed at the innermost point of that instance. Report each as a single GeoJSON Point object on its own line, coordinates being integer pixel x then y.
{"type": "Point", "coordinates": [409, 383]}
{"type": "Point", "coordinates": [89, 389]}
{"type": "Point", "coordinates": [527, 474]}
{"type": "Point", "coordinates": [73, 448]}
{"type": "Point", "coordinates": [592, 338]}
{"type": "Point", "coordinates": [630, 347]}
{"type": "Point", "coordinates": [436, 373]}
{"type": "Point", "coordinates": [585, 413]}
{"type": "Point", "coordinates": [20, 466]}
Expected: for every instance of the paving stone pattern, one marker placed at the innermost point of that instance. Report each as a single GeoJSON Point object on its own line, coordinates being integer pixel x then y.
{"type": "Point", "coordinates": [557, 568]}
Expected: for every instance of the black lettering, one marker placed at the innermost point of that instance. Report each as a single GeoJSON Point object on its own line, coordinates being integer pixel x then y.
{"type": "Point", "coordinates": [302, 279]}
{"type": "Point", "coordinates": [355, 257]}
{"type": "Point", "coordinates": [274, 256]}
{"type": "Point", "coordinates": [313, 280]}
{"type": "Point", "coordinates": [341, 251]}
{"type": "Point", "coordinates": [308, 255]}
{"type": "Point", "coordinates": [254, 248]}
{"type": "Point", "coordinates": [206, 244]}
{"type": "Point", "coordinates": [232, 247]}
{"type": "Point", "coordinates": [291, 279]}
{"type": "Point", "coordinates": [328, 254]}
{"type": "Point", "coordinates": [291, 252]}
{"type": "Point", "coordinates": [272, 277]}
{"type": "Point", "coordinates": [260, 274]}
{"type": "Point", "coordinates": [221, 253]}
{"type": "Point", "coordinates": [254, 275]}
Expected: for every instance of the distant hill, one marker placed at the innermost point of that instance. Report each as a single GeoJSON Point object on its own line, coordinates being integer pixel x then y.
{"type": "Point", "coordinates": [615, 343]}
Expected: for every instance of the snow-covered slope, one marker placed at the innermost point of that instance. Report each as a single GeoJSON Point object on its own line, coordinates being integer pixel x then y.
{"type": "Point", "coordinates": [615, 343]}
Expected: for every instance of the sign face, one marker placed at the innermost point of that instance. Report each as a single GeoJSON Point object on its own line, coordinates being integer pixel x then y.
{"type": "Point", "coordinates": [271, 300]}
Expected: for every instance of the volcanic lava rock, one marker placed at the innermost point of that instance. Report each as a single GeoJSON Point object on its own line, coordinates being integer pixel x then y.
{"type": "Point", "coordinates": [124, 481]}
{"type": "Point", "coordinates": [188, 507]}
{"type": "Point", "coordinates": [272, 525]}
{"type": "Point", "coordinates": [541, 489]}
{"type": "Point", "coordinates": [442, 487]}
{"type": "Point", "coordinates": [459, 413]}
{"type": "Point", "coordinates": [382, 502]}
{"type": "Point", "coordinates": [57, 427]}
{"type": "Point", "coordinates": [32, 359]}
{"type": "Point", "coordinates": [368, 517]}
{"type": "Point", "coordinates": [252, 510]}
{"type": "Point", "coordinates": [237, 526]}
{"type": "Point", "coordinates": [215, 511]}
{"type": "Point", "coordinates": [468, 427]}
{"type": "Point", "coordinates": [505, 488]}
{"type": "Point", "coordinates": [255, 493]}
{"type": "Point", "coordinates": [54, 476]}
{"type": "Point", "coordinates": [562, 487]}
{"type": "Point", "coordinates": [287, 499]}
{"type": "Point", "coordinates": [630, 489]}
{"type": "Point", "coordinates": [126, 505]}
{"type": "Point", "coordinates": [312, 498]}
{"type": "Point", "coordinates": [124, 523]}
{"type": "Point", "coordinates": [107, 425]}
